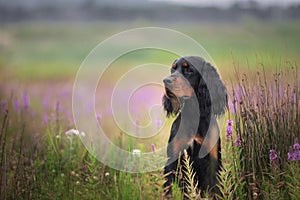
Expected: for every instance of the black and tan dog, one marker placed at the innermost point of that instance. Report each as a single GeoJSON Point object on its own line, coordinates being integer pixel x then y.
{"type": "Point", "coordinates": [195, 93]}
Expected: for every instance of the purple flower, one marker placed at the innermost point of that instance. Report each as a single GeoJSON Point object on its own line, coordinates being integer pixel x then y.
{"type": "Point", "coordinates": [238, 141]}
{"type": "Point", "coordinates": [16, 105]}
{"type": "Point", "coordinates": [291, 154]}
{"type": "Point", "coordinates": [229, 129]}
{"type": "Point", "coordinates": [273, 155]}
{"type": "Point", "coordinates": [153, 148]}
{"type": "Point", "coordinates": [294, 151]}
{"type": "Point", "coordinates": [25, 101]}
{"type": "Point", "coordinates": [231, 107]}
{"type": "Point", "coordinates": [59, 107]}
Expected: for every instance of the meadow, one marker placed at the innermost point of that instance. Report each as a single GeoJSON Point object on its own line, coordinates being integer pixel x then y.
{"type": "Point", "coordinates": [41, 159]}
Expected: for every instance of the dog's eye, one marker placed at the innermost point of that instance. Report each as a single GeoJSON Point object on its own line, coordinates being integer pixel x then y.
{"type": "Point", "coordinates": [174, 66]}
{"type": "Point", "coordinates": [188, 70]}
{"type": "Point", "coordinates": [185, 64]}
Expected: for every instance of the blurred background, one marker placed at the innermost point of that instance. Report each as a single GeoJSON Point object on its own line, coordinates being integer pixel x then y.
{"type": "Point", "coordinates": [50, 39]}
{"type": "Point", "coordinates": [43, 43]}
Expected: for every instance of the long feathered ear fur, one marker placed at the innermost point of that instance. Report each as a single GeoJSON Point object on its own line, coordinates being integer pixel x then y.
{"type": "Point", "coordinates": [212, 93]}
{"type": "Point", "coordinates": [215, 89]}
{"type": "Point", "coordinates": [171, 105]}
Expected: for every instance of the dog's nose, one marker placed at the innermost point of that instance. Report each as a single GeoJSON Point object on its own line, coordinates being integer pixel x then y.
{"type": "Point", "coordinates": [167, 81]}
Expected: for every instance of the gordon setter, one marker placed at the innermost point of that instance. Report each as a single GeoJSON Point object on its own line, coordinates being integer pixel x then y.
{"type": "Point", "coordinates": [195, 93]}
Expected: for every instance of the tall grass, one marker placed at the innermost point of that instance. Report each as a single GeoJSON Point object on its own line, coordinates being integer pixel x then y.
{"type": "Point", "coordinates": [38, 160]}
{"type": "Point", "coordinates": [265, 108]}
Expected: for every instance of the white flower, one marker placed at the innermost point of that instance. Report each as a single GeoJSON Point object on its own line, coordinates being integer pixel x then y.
{"type": "Point", "coordinates": [136, 152]}
{"type": "Point", "coordinates": [106, 174]}
{"type": "Point", "coordinates": [72, 132]}
{"type": "Point", "coordinates": [75, 132]}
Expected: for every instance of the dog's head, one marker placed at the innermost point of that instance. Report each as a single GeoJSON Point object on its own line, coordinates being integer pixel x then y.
{"type": "Point", "coordinates": [191, 77]}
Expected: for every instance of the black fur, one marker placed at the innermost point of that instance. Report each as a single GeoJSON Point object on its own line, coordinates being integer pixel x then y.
{"type": "Point", "coordinates": [210, 96]}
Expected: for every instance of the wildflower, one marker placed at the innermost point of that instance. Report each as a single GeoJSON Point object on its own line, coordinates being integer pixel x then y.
{"type": "Point", "coordinates": [291, 154]}
{"type": "Point", "coordinates": [273, 155]}
{"type": "Point", "coordinates": [106, 174]}
{"type": "Point", "coordinates": [59, 107]}
{"type": "Point", "coordinates": [294, 151]}
{"type": "Point", "coordinates": [238, 141]}
{"type": "Point", "coordinates": [62, 174]}
{"type": "Point", "coordinates": [16, 105]}
{"type": "Point", "coordinates": [273, 159]}
{"type": "Point", "coordinates": [229, 129]}
{"type": "Point", "coordinates": [77, 183]}
{"type": "Point", "coordinates": [231, 107]}
{"type": "Point", "coordinates": [72, 132]}
{"type": "Point", "coordinates": [136, 152]}
{"type": "Point", "coordinates": [297, 155]}
{"type": "Point", "coordinates": [73, 173]}
{"type": "Point", "coordinates": [153, 148]}
{"type": "Point", "coordinates": [25, 101]}
{"type": "Point", "coordinates": [75, 132]}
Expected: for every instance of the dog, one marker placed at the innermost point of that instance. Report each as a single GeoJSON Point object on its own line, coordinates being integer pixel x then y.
{"type": "Point", "coordinates": [195, 94]}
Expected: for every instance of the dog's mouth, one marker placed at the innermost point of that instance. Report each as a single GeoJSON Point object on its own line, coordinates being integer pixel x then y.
{"type": "Point", "coordinates": [169, 94]}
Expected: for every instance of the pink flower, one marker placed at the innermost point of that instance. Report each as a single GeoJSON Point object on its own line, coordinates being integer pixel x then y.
{"type": "Point", "coordinates": [153, 148]}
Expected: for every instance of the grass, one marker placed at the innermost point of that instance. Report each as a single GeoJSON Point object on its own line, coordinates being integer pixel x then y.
{"type": "Point", "coordinates": [37, 50]}
{"type": "Point", "coordinates": [38, 160]}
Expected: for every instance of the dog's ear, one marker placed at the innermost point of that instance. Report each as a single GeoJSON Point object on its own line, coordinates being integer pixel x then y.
{"type": "Point", "coordinates": [216, 89]}
{"type": "Point", "coordinates": [171, 105]}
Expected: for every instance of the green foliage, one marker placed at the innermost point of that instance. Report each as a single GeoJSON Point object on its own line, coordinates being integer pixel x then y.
{"type": "Point", "coordinates": [189, 174]}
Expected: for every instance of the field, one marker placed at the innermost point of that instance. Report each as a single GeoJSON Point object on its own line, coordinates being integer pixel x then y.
{"type": "Point", "coordinates": [41, 159]}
